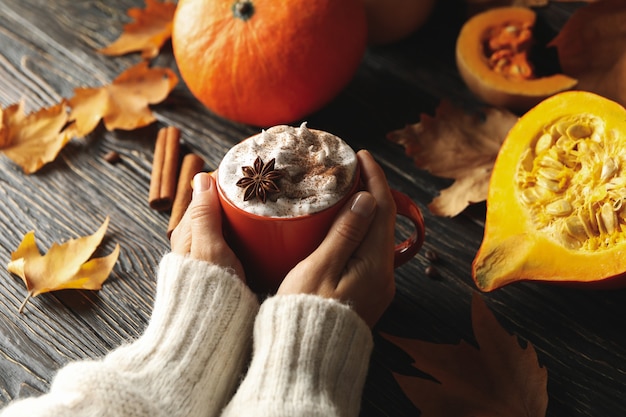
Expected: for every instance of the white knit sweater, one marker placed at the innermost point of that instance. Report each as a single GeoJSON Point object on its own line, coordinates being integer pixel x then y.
{"type": "Point", "coordinates": [310, 356]}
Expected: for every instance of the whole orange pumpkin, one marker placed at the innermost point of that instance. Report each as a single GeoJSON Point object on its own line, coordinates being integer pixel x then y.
{"type": "Point", "coordinates": [268, 62]}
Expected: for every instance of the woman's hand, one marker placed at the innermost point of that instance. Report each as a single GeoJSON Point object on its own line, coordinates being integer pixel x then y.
{"type": "Point", "coordinates": [199, 233]}
{"type": "Point", "coordinates": [354, 263]}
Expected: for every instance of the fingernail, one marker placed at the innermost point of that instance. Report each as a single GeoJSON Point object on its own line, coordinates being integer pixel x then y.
{"type": "Point", "coordinates": [363, 204]}
{"type": "Point", "coordinates": [201, 183]}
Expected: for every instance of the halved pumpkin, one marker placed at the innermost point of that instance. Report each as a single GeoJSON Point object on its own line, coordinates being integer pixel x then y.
{"type": "Point", "coordinates": [492, 58]}
{"type": "Point", "coordinates": [556, 208]}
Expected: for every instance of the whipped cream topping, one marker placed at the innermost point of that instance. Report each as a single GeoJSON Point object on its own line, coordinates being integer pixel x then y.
{"type": "Point", "coordinates": [318, 170]}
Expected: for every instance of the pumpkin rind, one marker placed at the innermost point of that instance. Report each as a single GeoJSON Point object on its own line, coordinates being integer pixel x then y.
{"type": "Point", "coordinates": [514, 247]}
{"type": "Point", "coordinates": [488, 85]}
{"type": "Point", "coordinates": [281, 64]}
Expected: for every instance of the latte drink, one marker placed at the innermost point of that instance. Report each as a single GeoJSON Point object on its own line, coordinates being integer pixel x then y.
{"type": "Point", "coordinates": [312, 171]}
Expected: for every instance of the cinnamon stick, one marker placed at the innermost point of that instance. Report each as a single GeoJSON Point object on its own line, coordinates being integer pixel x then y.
{"type": "Point", "coordinates": [192, 164]}
{"type": "Point", "coordinates": [164, 169]}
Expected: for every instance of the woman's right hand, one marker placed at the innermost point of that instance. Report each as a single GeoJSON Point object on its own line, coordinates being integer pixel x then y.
{"type": "Point", "coordinates": [354, 263]}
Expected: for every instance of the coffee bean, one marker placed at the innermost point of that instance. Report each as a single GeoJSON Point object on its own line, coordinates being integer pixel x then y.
{"type": "Point", "coordinates": [431, 272]}
{"type": "Point", "coordinates": [431, 255]}
{"type": "Point", "coordinates": [112, 157]}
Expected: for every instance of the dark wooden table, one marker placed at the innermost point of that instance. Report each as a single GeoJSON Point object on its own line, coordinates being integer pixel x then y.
{"type": "Point", "coordinates": [48, 48]}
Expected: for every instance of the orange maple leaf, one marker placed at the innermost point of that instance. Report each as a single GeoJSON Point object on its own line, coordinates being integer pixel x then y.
{"type": "Point", "coordinates": [124, 103]}
{"type": "Point", "coordinates": [456, 145]}
{"type": "Point", "coordinates": [65, 266]}
{"type": "Point", "coordinates": [35, 139]}
{"type": "Point", "coordinates": [500, 378]}
{"type": "Point", "coordinates": [151, 28]}
{"type": "Point", "coordinates": [591, 47]}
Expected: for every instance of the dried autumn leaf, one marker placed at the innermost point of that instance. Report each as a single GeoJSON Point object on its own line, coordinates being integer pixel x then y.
{"type": "Point", "coordinates": [123, 104]}
{"type": "Point", "coordinates": [481, 5]}
{"type": "Point", "coordinates": [65, 266]}
{"type": "Point", "coordinates": [500, 378]}
{"type": "Point", "coordinates": [477, 6]}
{"type": "Point", "coordinates": [459, 146]}
{"type": "Point", "coordinates": [591, 47]}
{"type": "Point", "coordinates": [33, 140]}
{"type": "Point", "coordinates": [151, 28]}
{"type": "Point", "coordinates": [9, 118]}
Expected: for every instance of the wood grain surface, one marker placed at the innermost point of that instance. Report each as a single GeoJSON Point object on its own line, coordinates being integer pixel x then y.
{"type": "Point", "coordinates": [48, 48]}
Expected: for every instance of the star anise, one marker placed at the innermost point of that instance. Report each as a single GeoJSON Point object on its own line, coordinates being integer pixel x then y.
{"type": "Point", "coordinates": [259, 180]}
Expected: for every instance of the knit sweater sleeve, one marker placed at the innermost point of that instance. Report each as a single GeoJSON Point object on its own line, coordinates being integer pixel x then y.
{"type": "Point", "coordinates": [310, 358]}
{"type": "Point", "coordinates": [187, 363]}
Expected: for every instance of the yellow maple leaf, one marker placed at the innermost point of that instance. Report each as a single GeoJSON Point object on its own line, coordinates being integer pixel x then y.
{"type": "Point", "coordinates": [123, 104]}
{"type": "Point", "coordinates": [499, 378]}
{"type": "Point", "coordinates": [35, 139]}
{"type": "Point", "coordinates": [65, 266]}
{"type": "Point", "coordinates": [457, 145]}
{"type": "Point", "coordinates": [151, 28]}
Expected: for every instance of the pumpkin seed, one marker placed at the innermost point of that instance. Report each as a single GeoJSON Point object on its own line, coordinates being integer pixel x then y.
{"type": "Point", "coordinates": [578, 131]}
{"type": "Point", "coordinates": [576, 228]}
{"type": "Point", "coordinates": [586, 223]}
{"type": "Point", "coordinates": [609, 219]}
{"type": "Point", "coordinates": [559, 208]}
{"type": "Point", "coordinates": [591, 215]}
{"type": "Point", "coordinates": [609, 167]}
{"type": "Point", "coordinates": [544, 143]}
{"type": "Point", "coordinates": [551, 174]}
{"type": "Point", "coordinates": [549, 161]}
{"type": "Point", "coordinates": [549, 184]}
{"type": "Point", "coordinates": [535, 194]}
{"type": "Point", "coordinates": [568, 240]}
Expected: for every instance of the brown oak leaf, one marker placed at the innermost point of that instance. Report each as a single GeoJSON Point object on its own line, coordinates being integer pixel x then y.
{"type": "Point", "coordinates": [123, 104]}
{"type": "Point", "coordinates": [35, 139]}
{"type": "Point", "coordinates": [591, 47]}
{"type": "Point", "coordinates": [151, 28]}
{"type": "Point", "coordinates": [65, 266]}
{"type": "Point", "coordinates": [457, 145]}
{"type": "Point", "coordinates": [499, 378]}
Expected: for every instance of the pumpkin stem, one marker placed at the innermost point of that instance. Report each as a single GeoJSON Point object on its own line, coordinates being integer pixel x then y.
{"type": "Point", "coordinates": [243, 9]}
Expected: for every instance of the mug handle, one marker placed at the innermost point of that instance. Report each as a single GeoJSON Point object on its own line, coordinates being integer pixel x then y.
{"type": "Point", "coordinates": [407, 249]}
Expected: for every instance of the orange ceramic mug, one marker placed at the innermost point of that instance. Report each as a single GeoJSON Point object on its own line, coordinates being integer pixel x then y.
{"type": "Point", "coordinates": [269, 247]}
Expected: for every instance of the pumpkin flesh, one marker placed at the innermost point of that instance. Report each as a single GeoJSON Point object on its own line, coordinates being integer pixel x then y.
{"type": "Point", "coordinates": [276, 65]}
{"type": "Point", "coordinates": [556, 208]}
{"type": "Point", "coordinates": [498, 72]}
